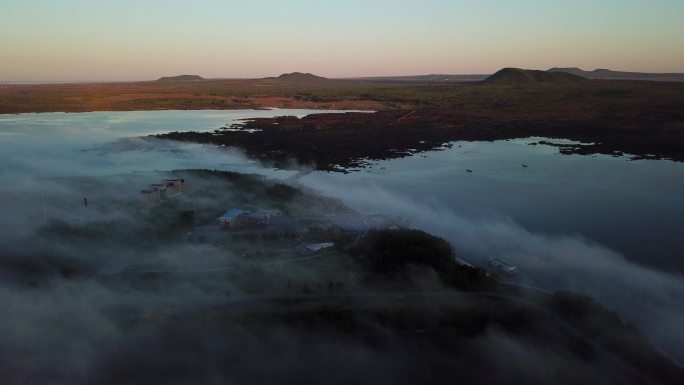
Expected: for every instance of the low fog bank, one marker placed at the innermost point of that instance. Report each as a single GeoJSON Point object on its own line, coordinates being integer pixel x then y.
{"type": "Point", "coordinates": [89, 283]}
{"type": "Point", "coordinates": [108, 300]}
{"type": "Point", "coordinates": [96, 295]}
{"type": "Point", "coordinates": [85, 331]}
{"type": "Point", "coordinates": [51, 181]}
{"type": "Point", "coordinates": [652, 300]}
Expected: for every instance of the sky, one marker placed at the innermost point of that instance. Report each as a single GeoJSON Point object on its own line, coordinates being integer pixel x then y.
{"type": "Point", "coordinates": [83, 40]}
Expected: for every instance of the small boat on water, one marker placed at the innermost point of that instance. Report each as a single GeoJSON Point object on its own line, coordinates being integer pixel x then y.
{"type": "Point", "coordinates": [468, 170]}
{"type": "Point", "coordinates": [524, 165]}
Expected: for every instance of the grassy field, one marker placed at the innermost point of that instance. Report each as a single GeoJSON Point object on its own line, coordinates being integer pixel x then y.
{"type": "Point", "coordinates": [186, 95]}
{"type": "Point", "coordinates": [524, 99]}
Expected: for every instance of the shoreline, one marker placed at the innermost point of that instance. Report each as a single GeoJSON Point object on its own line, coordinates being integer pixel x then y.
{"type": "Point", "coordinates": [338, 142]}
{"type": "Point", "coordinates": [324, 110]}
{"type": "Point", "coordinates": [347, 105]}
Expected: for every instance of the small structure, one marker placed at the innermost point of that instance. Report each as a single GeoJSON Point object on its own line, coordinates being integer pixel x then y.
{"type": "Point", "coordinates": [176, 185]}
{"type": "Point", "coordinates": [502, 266]}
{"type": "Point", "coordinates": [314, 248]}
{"type": "Point", "coordinates": [230, 217]}
{"type": "Point", "coordinates": [237, 219]}
{"type": "Point", "coordinates": [158, 191]}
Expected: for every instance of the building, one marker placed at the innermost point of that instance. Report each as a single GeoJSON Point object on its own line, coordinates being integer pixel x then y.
{"type": "Point", "coordinates": [229, 218]}
{"type": "Point", "coordinates": [177, 185]}
{"type": "Point", "coordinates": [158, 191]}
{"type": "Point", "coordinates": [237, 219]}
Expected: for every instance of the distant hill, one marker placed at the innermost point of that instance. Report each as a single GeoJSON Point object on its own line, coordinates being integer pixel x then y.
{"type": "Point", "coordinates": [609, 74]}
{"type": "Point", "coordinates": [180, 78]}
{"type": "Point", "coordinates": [436, 78]}
{"type": "Point", "coordinates": [300, 77]}
{"type": "Point", "coordinates": [516, 75]}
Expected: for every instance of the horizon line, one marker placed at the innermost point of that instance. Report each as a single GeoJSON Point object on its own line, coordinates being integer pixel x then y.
{"type": "Point", "coordinates": [36, 82]}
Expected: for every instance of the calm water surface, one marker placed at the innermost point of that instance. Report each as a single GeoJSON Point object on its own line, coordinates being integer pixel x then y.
{"type": "Point", "coordinates": [634, 207]}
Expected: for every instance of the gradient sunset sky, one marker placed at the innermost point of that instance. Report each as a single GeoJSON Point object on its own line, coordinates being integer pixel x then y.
{"type": "Point", "coordinates": [84, 40]}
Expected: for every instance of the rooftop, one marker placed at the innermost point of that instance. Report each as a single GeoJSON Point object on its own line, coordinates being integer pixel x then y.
{"type": "Point", "coordinates": [234, 213]}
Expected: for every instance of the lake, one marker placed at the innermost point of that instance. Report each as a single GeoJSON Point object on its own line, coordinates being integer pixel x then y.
{"type": "Point", "coordinates": [634, 207]}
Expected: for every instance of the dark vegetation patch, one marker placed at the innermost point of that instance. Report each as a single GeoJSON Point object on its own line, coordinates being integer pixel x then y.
{"type": "Point", "coordinates": [615, 117]}
{"type": "Point", "coordinates": [389, 253]}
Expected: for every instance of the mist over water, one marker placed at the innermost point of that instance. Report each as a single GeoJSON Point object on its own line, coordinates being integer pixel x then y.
{"type": "Point", "coordinates": [650, 298]}
{"type": "Point", "coordinates": [38, 151]}
{"type": "Point", "coordinates": [602, 226]}
{"type": "Point", "coordinates": [634, 207]}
